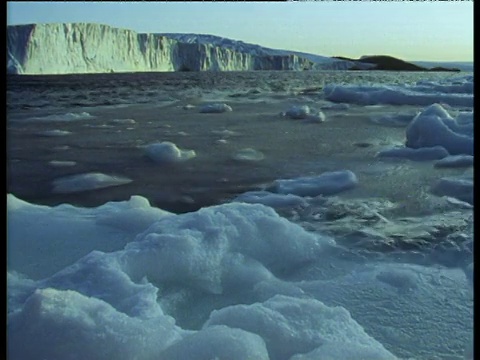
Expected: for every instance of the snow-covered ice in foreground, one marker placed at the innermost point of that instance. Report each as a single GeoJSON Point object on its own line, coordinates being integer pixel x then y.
{"type": "Point", "coordinates": [168, 152]}
{"type": "Point", "coordinates": [328, 183]}
{"type": "Point", "coordinates": [223, 264]}
{"type": "Point", "coordinates": [87, 181]}
{"type": "Point", "coordinates": [215, 108]}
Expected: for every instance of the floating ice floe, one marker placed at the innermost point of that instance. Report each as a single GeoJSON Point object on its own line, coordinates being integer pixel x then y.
{"type": "Point", "coordinates": [270, 199]}
{"type": "Point", "coordinates": [304, 112]}
{"type": "Point", "coordinates": [459, 188]}
{"type": "Point", "coordinates": [62, 163]}
{"type": "Point", "coordinates": [54, 133]}
{"type": "Point", "coordinates": [460, 94]}
{"type": "Point", "coordinates": [63, 117]}
{"type": "Point", "coordinates": [455, 161]}
{"type": "Point", "coordinates": [422, 154]}
{"type": "Point", "coordinates": [123, 121]}
{"type": "Point", "coordinates": [434, 126]}
{"type": "Point", "coordinates": [248, 154]}
{"type": "Point", "coordinates": [339, 106]}
{"type": "Point", "coordinates": [215, 108]}
{"type": "Point", "coordinates": [87, 181]}
{"type": "Point", "coordinates": [168, 152]}
{"type": "Point", "coordinates": [328, 183]}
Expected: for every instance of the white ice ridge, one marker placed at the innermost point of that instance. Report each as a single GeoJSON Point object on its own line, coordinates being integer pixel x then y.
{"type": "Point", "coordinates": [96, 48]}
{"type": "Point", "coordinates": [168, 152]}
{"type": "Point", "coordinates": [87, 181]}
{"type": "Point", "coordinates": [453, 91]}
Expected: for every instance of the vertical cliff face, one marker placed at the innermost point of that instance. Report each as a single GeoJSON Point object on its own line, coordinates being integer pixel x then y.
{"type": "Point", "coordinates": [95, 48]}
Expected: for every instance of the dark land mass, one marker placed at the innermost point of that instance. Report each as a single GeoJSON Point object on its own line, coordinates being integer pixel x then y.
{"type": "Point", "coordinates": [384, 62]}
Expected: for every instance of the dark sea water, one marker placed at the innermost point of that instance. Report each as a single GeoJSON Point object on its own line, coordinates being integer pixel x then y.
{"type": "Point", "coordinates": [101, 143]}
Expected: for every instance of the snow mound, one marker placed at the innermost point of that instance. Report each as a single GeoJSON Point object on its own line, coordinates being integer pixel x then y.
{"type": "Point", "coordinates": [434, 126]}
{"type": "Point", "coordinates": [87, 181]}
{"type": "Point", "coordinates": [396, 120]}
{"type": "Point", "coordinates": [215, 108]}
{"type": "Point", "coordinates": [291, 325]}
{"type": "Point", "coordinates": [218, 342]}
{"type": "Point", "coordinates": [422, 154]}
{"type": "Point", "coordinates": [168, 152]}
{"type": "Point", "coordinates": [62, 324]}
{"type": "Point", "coordinates": [328, 183]}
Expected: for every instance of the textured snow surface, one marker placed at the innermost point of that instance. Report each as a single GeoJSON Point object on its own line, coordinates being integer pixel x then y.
{"type": "Point", "coordinates": [223, 266]}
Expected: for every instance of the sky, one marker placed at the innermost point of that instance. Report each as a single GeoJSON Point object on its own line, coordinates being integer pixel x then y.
{"type": "Point", "coordinates": [418, 30]}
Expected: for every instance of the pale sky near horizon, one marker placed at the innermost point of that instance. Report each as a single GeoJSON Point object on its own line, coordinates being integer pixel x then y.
{"type": "Point", "coordinates": [423, 30]}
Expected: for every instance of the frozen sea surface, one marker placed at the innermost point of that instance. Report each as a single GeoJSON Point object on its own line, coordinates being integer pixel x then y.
{"type": "Point", "coordinates": [256, 215]}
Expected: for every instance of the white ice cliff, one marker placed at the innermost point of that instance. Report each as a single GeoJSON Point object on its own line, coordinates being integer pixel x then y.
{"type": "Point", "coordinates": [96, 48]}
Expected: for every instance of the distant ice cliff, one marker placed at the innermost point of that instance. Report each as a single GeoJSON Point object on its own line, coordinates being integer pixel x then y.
{"type": "Point", "coordinates": [96, 48]}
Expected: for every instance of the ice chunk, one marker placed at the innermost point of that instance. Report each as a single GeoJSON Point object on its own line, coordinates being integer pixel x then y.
{"type": "Point", "coordinates": [434, 126]}
{"type": "Point", "coordinates": [328, 183]}
{"type": "Point", "coordinates": [422, 154]}
{"type": "Point", "coordinates": [305, 112]}
{"type": "Point", "coordinates": [215, 108]}
{"type": "Point", "coordinates": [168, 152]}
{"type": "Point", "coordinates": [87, 181]}
{"type": "Point", "coordinates": [298, 112]}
